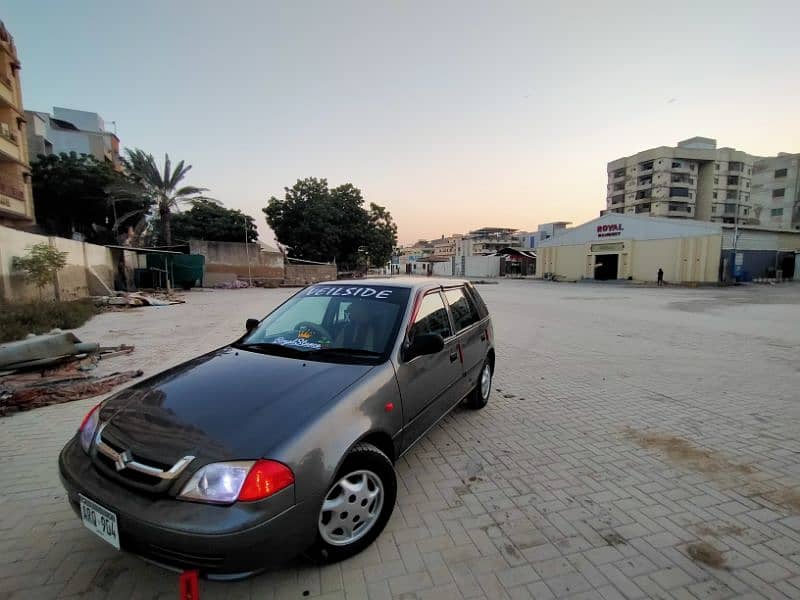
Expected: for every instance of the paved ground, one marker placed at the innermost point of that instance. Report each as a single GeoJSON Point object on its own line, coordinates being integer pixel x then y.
{"type": "Point", "coordinates": [627, 426]}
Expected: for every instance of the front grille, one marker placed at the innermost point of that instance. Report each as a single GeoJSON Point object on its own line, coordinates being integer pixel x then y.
{"type": "Point", "coordinates": [183, 559]}
{"type": "Point", "coordinates": [115, 461]}
{"type": "Point", "coordinates": [127, 474]}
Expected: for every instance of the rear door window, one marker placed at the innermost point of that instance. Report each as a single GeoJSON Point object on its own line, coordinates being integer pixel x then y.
{"type": "Point", "coordinates": [431, 318]}
{"type": "Point", "coordinates": [462, 308]}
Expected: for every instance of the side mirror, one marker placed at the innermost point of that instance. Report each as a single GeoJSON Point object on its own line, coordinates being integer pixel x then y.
{"type": "Point", "coordinates": [250, 324]}
{"type": "Point", "coordinates": [424, 343]}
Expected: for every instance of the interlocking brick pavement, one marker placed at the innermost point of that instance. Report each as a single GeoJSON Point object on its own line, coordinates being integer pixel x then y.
{"type": "Point", "coordinates": [626, 424]}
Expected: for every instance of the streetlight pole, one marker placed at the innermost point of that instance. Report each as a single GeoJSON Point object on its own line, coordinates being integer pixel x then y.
{"type": "Point", "coordinates": [247, 251]}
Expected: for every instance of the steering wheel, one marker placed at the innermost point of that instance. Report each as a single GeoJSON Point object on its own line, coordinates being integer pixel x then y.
{"type": "Point", "coordinates": [318, 329]}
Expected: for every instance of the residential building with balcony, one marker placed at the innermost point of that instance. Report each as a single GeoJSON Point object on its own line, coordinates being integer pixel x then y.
{"type": "Point", "coordinates": [693, 180]}
{"type": "Point", "coordinates": [445, 247]}
{"type": "Point", "coordinates": [68, 130]}
{"type": "Point", "coordinates": [775, 191]}
{"type": "Point", "coordinates": [16, 197]}
{"type": "Point", "coordinates": [487, 240]}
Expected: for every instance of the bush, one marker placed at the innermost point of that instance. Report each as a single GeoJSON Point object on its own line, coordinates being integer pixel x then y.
{"type": "Point", "coordinates": [18, 320]}
{"type": "Point", "coordinates": [40, 265]}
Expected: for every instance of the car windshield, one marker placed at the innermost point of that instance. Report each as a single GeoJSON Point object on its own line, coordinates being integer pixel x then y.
{"type": "Point", "coordinates": [332, 321]}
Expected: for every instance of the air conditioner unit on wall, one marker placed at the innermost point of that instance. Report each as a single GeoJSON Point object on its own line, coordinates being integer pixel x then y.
{"type": "Point", "coordinates": [5, 129]}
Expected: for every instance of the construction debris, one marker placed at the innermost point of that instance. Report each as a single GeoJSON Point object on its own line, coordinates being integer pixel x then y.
{"type": "Point", "coordinates": [235, 284]}
{"type": "Point", "coordinates": [51, 369]}
{"type": "Point", "coordinates": [17, 394]}
{"type": "Point", "coordinates": [129, 299]}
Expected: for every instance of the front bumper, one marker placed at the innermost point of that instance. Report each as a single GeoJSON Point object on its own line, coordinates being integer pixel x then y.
{"type": "Point", "coordinates": [233, 540]}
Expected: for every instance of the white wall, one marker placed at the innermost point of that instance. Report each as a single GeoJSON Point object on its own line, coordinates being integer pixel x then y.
{"type": "Point", "coordinates": [482, 266]}
{"type": "Point", "coordinates": [78, 279]}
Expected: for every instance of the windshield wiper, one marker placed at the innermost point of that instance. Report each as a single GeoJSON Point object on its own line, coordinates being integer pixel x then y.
{"type": "Point", "coordinates": [347, 351]}
{"type": "Point", "coordinates": [271, 347]}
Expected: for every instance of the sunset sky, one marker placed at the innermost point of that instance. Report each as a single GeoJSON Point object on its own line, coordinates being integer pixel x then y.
{"type": "Point", "coordinates": [453, 115]}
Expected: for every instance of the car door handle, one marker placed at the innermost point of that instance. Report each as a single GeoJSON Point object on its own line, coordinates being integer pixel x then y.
{"type": "Point", "coordinates": [453, 356]}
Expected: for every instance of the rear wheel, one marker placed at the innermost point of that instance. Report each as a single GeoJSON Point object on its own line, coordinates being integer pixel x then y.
{"type": "Point", "coordinates": [357, 506]}
{"type": "Point", "coordinates": [480, 395]}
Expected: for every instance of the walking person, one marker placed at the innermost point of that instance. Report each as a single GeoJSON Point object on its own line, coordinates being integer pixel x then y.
{"type": "Point", "coordinates": [660, 276]}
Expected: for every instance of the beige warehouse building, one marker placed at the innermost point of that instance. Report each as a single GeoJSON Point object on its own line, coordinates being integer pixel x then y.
{"type": "Point", "coordinates": [618, 246]}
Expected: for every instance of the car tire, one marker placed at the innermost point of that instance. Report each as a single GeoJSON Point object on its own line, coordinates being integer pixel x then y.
{"type": "Point", "coordinates": [369, 498]}
{"type": "Point", "coordinates": [478, 397]}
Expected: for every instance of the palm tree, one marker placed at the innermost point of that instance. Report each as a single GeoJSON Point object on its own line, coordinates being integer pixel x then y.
{"type": "Point", "coordinates": [156, 189]}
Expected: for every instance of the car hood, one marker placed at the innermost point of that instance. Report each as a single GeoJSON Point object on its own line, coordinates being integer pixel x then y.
{"type": "Point", "coordinates": [228, 404]}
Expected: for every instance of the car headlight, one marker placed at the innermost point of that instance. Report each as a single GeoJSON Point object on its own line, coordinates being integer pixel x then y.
{"type": "Point", "coordinates": [243, 480]}
{"type": "Point", "coordinates": [89, 427]}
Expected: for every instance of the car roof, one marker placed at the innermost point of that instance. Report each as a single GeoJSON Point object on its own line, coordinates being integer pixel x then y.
{"type": "Point", "coordinates": [412, 283]}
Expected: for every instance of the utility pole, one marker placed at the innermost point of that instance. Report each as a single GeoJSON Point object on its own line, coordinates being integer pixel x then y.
{"type": "Point", "coordinates": [247, 251]}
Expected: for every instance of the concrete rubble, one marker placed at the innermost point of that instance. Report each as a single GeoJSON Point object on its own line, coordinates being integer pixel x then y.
{"type": "Point", "coordinates": [54, 368]}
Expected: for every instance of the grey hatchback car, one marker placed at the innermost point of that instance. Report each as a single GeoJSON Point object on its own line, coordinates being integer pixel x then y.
{"type": "Point", "coordinates": [282, 442]}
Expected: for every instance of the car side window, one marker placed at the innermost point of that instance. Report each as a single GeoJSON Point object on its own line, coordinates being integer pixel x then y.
{"type": "Point", "coordinates": [431, 318]}
{"type": "Point", "coordinates": [462, 308]}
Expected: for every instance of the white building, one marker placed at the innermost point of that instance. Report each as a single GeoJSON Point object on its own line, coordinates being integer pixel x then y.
{"type": "Point", "coordinates": [618, 246]}
{"type": "Point", "coordinates": [776, 191]}
{"type": "Point", "coordinates": [68, 130]}
{"type": "Point", "coordinates": [693, 180]}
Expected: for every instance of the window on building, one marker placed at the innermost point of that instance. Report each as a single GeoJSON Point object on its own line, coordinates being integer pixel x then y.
{"type": "Point", "coordinates": [731, 195]}
{"type": "Point", "coordinates": [676, 192]}
{"type": "Point", "coordinates": [779, 193]}
{"type": "Point", "coordinates": [645, 180]}
{"type": "Point", "coordinates": [733, 180]}
{"type": "Point", "coordinates": [730, 208]}
{"type": "Point", "coordinates": [619, 172]}
{"type": "Point", "coordinates": [746, 211]}
{"type": "Point", "coordinates": [716, 166]}
{"type": "Point", "coordinates": [619, 198]}
{"type": "Point", "coordinates": [780, 173]}
{"type": "Point", "coordinates": [692, 166]}
{"type": "Point", "coordinates": [676, 164]}
{"type": "Point", "coordinates": [620, 185]}
{"type": "Point", "coordinates": [646, 166]}
{"type": "Point", "coordinates": [644, 193]}
{"type": "Point", "coordinates": [680, 178]}
{"type": "Point", "coordinates": [713, 208]}
{"type": "Point", "coordinates": [776, 212]}
{"type": "Point", "coordinates": [680, 207]}
{"type": "Point", "coordinates": [747, 184]}
{"type": "Point", "coordinates": [735, 166]}
{"type": "Point", "coordinates": [716, 180]}
{"type": "Point", "coordinates": [715, 195]}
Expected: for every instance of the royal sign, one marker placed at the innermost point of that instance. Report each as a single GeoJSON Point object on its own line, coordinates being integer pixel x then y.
{"type": "Point", "coordinates": [612, 230]}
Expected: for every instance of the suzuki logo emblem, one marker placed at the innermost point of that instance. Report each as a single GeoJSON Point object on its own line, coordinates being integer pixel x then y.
{"type": "Point", "coordinates": [122, 460]}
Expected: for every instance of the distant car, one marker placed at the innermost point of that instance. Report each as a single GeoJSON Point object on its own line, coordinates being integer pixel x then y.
{"type": "Point", "coordinates": [284, 441]}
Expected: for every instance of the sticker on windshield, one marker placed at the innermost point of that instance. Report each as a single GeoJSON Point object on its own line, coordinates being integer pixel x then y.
{"type": "Point", "coordinates": [359, 291]}
{"type": "Point", "coordinates": [298, 342]}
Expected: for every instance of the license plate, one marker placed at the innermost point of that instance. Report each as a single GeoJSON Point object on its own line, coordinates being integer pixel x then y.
{"type": "Point", "coordinates": [100, 520]}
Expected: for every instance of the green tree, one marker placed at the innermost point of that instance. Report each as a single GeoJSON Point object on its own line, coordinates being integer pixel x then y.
{"type": "Point", "coordinates": [158, 190]}
{"type": "Point", "coordinates": [209, 221]}
{"type": "Point", "coordinates": [321, 223]}
{"type": "Point", "coordinates": [40, 265]}
{"type": "Point", "coordinates": [71, 195]}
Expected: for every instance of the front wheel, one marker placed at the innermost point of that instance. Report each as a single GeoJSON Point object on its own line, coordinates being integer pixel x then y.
{"type": "Point", "coordinates": [357, 506]}
{"type": "Point", "coordinates": [480, 395]}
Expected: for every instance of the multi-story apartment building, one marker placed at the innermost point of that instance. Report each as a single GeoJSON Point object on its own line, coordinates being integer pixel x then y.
{"type": "Point", "coordinates": [694, 180]}
{"type": "Point", "coordinates": [445, 247]}
{"type": "Point", "coordinates": [487, 240]}
{"type": "Point", "coordinates": [775, 194]}
{"type": "Point", "coordinates": [16, 197]}
{"type": "Point", "coordinates": [68, 130]}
